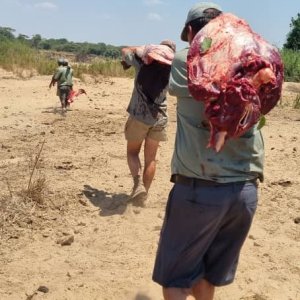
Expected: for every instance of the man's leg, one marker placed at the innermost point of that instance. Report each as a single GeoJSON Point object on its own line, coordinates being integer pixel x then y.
{"type": "Point", "coordinates": [176, 294]}
{"type": "Point", "coordinates": [67, 97]}
{"type": "Point", "coordinates": [133, 159]}
{"type": "Point", "coordinates": [203, 290]}
{"type": "Point", "coordinates": [63, 96]}
{"type": "Point", "coordinates": [134, 164]}
{"type": "Point", "coordinates": [150, 151]}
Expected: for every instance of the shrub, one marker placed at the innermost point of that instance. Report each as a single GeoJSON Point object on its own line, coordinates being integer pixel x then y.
{"type": "Point", "coordinates": [291, 61]}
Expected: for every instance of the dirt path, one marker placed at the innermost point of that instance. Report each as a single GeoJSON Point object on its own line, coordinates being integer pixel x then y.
{"type": "Point", "coordinates": [87, 182]}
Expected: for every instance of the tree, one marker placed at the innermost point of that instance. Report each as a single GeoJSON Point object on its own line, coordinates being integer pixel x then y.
{"type": "Point", "coordinates": [7, 32]}
{"type": "Point", "coordinates": [44, 44]}
{"type": "Point", "coordinates": [22, 37]}
{"type": "Point", "coordinates": [36, 39]}
{"type": "Point", "coordinates": [293, 37]}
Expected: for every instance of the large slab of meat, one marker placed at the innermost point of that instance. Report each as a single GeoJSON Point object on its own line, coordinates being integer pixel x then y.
{"type": "Point", "coordinates": [160, 53]}
{"type": "Point", "coordinates": [236, 73]}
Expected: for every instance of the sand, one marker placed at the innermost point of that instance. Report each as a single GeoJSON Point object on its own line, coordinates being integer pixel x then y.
{"type": "Point", "coordinates": [112, 243]}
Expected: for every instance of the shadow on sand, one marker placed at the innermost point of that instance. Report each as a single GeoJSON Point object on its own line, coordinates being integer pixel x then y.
{"type": "Point", "coordinates": [142, 297]}
{"type": "Point", "coordinates": [109, 204]}
{"type": "Point", "coordinates": [53, 110]}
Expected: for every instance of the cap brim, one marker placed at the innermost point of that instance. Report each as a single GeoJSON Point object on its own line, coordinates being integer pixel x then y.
{"type": "Point", "coordinates": [184, 34]}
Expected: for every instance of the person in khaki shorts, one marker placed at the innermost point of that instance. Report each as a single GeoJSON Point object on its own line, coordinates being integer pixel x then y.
{"type": "Point", "coordinates": [147, 121]}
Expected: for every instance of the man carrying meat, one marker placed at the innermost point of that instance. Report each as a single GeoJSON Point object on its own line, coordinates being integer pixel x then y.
{"type": "Point", "coordinates": [63, 76]}
{"type": "Point", "coordinates": [147, 110]}
{"type": "Point", "coordinates": [214, 197]}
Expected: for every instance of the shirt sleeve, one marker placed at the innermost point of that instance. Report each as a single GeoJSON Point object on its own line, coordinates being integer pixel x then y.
{"type": "Point", "coordinates": [178, 85]}
{"type": "Point", "coordinates": [57, 74]}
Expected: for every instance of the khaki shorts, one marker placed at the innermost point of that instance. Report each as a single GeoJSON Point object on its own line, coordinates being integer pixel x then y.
{"type": "Point", "coordinates": [138, 131]}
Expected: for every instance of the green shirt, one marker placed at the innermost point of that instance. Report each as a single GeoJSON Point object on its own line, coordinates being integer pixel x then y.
{"type": "Point", "coordinates": [240, 159]}
{"type": "Point", "coordinates": [64, 76]}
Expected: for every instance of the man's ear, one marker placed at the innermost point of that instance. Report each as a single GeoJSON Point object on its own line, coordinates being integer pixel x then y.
{"type": "Point", "coordinates": [189, 33]}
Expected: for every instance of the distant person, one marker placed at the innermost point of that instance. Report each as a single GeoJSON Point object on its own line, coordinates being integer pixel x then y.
{"type": "Point", "coordinates": [63, 76]}
{"type": "Point", "coordinates": [147, 110]}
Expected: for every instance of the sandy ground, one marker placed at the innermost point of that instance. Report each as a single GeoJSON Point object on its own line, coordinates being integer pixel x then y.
{"type": "Point", "coordinates": [113, 243]}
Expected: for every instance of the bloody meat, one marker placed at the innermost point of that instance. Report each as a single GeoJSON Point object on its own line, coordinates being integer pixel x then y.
{"type": "Point", "coordinates": [73, 94]}
{"type": "Point", "coordinates": [236, 73]}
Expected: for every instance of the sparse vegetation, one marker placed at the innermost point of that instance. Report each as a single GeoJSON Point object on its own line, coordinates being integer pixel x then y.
{"type": "Point", "coordinates": [17, 207]}
{"type": "Point", "coordinates": [296, 103]}
{"type": "Point", "coordinates": [81, 50]}
{"type": "Point", "coordinates": [291, 61]}
{"type": "Point", "coordinates": [14, 211]}
{"type": "Point", "coordinates": [36, 187]}
{"type": "Point", "coordinates": [16, 56]}
{"type": "Point", "coordinates": [38, 56]}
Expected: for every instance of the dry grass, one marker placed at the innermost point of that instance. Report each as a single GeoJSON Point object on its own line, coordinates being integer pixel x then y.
{"type": "Point", "coordinates": [20, 209]}
{"type": "Point", "coordinates": [17, 207]}
{"type": "Point", "coordinates": [14, 213]}
{"type": "Point", "coordinates": [35, 191]}
{"type": "Point", "coordinates": [296, 103]}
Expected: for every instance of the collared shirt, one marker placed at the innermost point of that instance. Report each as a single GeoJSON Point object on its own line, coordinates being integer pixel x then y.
{"type": "Point", "coordinates": [64, 76]}
{"type": "Point", "coordinates": [152, 113]}
{"type": "Point", "coordinates": [240, 159]}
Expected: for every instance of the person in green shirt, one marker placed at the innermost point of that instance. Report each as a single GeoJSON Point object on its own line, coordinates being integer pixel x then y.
{"type": "Point", "coordinates": [214, 197]}
{"type": "Point", "coordinates": [63, 76]}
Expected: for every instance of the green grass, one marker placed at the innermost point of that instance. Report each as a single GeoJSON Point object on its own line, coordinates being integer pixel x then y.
{"type": "Point", "coordinates": [15, 56]}
{"type": "Point", "coordinates": [291, 61]}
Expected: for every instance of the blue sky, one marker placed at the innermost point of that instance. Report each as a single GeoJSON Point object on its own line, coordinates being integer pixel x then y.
{"type": "Point", "coordinates": [136, 22]}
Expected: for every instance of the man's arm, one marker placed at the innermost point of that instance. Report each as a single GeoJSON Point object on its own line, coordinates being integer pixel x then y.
{"type": "Point", "coordinates": [52, 82]}
{"type": "Point", "coordinates": [129, 56]}
{"type": "Point", "coordinates": [55, 77]}
{"type": "Point", "coordinates": [126, 50]}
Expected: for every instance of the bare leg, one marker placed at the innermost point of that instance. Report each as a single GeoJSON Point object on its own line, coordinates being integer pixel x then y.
{"type": "Point", "coordinates": [133, 159]}
{"type": "Point", "coordinates": [203, 290]}
{"type": "Point", "coordinates": [176, 294]}
{"type": "Point", "coordinates": [150, 151]}
{"type": "Point", "coordinates": [138, 192]}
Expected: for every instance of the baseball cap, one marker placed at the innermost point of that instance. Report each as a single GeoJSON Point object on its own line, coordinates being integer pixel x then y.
{"type": "Point", "coordinates": [197, 11]}
{"type": "Point", "coordinates": [60, 61]}
{"type": "Point", "coordinates": [169, 43]}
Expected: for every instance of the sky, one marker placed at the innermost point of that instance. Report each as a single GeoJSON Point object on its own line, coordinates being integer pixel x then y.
{"type": "Point", "coordinates": [136, 22]}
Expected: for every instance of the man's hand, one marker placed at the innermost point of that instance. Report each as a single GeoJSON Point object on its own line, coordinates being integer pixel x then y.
{"type": "Point", "coordinates": [125, 65]}
{"type": "Point", "coordinates": [52, 83]}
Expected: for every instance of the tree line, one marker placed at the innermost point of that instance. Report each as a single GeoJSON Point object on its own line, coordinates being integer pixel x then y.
{"type": "Point", "coordinates": [109, 51]}
{"type": "Point", "coordinates": [81, 50]}
{"type": "Point", "coordinates": [22, 52]}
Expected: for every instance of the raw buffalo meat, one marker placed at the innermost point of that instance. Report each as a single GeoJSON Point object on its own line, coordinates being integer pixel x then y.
{"type": "Point", "coordinates": [73, 94]}
{"type": "Point", "coordinates": [236, 73]}
{"type": "Point", "coordinates": [160, 53]}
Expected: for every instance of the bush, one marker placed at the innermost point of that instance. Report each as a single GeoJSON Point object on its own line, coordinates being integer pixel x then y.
{"type": "Point", "coordinates": [291, 61]}
{"type": "Point", "coordinates": [17, 56]}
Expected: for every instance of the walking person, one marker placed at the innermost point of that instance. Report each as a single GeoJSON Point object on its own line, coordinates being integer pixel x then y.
{"type": "Point", "coordinates": [214, 197]}
{"type": "Point", "coordinates": [147, 121]}
{"type": "Point", "coordinates": [63, 77]}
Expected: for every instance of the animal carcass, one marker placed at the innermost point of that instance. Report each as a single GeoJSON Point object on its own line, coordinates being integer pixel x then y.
{"type": "Point", "coordinates": [236, 73]}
